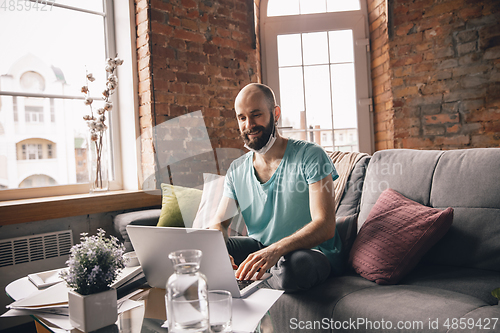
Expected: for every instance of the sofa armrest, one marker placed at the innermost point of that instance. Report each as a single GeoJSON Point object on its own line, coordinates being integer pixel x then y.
{"type": "Point", "coordinates": [147, 217]}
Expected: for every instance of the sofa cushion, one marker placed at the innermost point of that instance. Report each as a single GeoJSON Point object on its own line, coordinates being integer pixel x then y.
{"type": "Point", "coordinates": [179, 206]}
{"type": "Point", "coordinates": [469, 281]}
{"type": "Point", "coordinates": [469, 181]}
{"type": "Point", "coordinates": [395, 236]}
{"type": "Point", "coordinates": [314, 305]}
{"type": "Point", "coordinates": [405, 308]}
{"type": "Point", "coordinates": [406, 171]}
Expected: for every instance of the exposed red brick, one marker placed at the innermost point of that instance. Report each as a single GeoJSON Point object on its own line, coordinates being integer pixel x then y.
{"type": "Point", "coordinates": [189, 4]}
{"type": "Point", "coordinates": [441, 118]}
{"type": "Point", "coordinates": [191, 36]}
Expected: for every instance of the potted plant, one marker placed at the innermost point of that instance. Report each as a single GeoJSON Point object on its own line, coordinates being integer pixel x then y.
{"type": "Point", "coordinates": [93, 266]}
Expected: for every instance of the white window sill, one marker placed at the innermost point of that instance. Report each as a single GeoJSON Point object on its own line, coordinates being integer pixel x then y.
{"type": "Point", "coordinates": [28, 210]}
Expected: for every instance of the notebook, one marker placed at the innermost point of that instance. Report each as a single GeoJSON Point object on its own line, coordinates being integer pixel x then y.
{"type": "Point", "coordinates": [153, 245]}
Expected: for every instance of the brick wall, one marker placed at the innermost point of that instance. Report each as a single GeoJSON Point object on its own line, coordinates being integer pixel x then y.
{"type": "Point", "coordinates": [193, 55]}
{"type": "Point", "coordinates": [436, 80]}
{"type": "Point", "coordinates": [445, 74]}
{"type": "Point", "coordinates": [383, 115]}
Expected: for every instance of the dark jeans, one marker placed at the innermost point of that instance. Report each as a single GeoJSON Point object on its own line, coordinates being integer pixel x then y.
{"type": "Point", "coordinates": [296, 271]}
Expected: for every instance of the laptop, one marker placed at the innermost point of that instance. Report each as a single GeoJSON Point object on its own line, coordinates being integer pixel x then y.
{"type": "Point", "coordinates": [153, 245]}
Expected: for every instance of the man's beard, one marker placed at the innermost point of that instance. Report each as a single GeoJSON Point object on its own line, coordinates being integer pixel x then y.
{"type": "Point", "coordinates": [261, 141]}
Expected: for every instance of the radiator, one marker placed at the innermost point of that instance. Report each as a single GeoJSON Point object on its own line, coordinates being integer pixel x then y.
{"type": "Point", "coordinates": [15, 251]}
{"type": "Point", "coordinates": [30, 254]}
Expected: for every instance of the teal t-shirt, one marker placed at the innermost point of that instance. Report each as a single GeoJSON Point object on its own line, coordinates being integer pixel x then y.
{"type": "Point", "coordinates": [279, 207]}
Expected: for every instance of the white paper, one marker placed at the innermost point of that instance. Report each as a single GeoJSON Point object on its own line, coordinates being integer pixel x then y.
{"type": "Point", "coordinates": [46, 279]}
{"type": "Point", "coordinates": [125, 275]}
{"type": "Point", "coordinates": [247, 312]}
{"type": "Point", "coordinates": [57, 295]}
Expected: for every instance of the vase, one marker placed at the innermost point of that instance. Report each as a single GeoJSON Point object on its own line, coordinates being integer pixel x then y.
{"type": "Point", "coordinates": [187, 294]}
{"type": "Point", "coordinates": [98, 166]}
{"type": "Point", "coordinates": [91, 312]}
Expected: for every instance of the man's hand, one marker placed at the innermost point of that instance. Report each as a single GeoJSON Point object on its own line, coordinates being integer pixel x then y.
{"type": "Point", "coordinates": [259, 261]}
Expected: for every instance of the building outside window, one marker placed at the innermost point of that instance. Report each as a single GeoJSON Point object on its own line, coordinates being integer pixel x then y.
{"type": "Point", "coordinates": [40, 82]}
{"type": "Point", "coordinates": [315, 57]}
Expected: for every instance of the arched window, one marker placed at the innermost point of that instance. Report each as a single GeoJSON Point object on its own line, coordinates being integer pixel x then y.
{"type": "Point", "coordinates": [37, 181]}
{"type": "Point", "coordinates": [315, 57]}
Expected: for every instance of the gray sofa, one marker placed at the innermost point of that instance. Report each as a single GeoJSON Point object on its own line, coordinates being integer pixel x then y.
{"type": "Point", "coordinates": [450, 289]}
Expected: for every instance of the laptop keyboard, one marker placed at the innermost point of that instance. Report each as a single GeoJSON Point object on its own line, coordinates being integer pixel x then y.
{"type": "Point", "coordinates": [244, 283]}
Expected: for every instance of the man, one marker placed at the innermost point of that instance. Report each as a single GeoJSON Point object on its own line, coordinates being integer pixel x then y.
{"type": "Point", "coordinates": [284, 188]}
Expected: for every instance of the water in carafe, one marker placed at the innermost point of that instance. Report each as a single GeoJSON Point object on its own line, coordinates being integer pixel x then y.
{"type": "Point", "coordinates": [187, 294]}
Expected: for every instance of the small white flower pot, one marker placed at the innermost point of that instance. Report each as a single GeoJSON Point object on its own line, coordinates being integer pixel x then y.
{"type": "Point", "coordinates": [91, 312]}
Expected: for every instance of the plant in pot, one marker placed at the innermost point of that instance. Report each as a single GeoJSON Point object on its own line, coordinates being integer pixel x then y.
{"type": "Point", "coordinates": [94, 265]}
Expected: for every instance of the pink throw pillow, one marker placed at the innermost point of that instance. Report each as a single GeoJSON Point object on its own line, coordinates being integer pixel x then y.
{"type": "Point", "coordinates": [395, 236]}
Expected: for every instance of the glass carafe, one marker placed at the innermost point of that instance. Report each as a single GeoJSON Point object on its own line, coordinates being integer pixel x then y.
{"type": "Point", "coordinates": [187, 296]}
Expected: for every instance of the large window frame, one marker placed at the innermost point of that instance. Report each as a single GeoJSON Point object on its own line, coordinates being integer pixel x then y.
{"type": "Point", "coordinates": [124, 130]}
{"type": "Point", "coordinates": [357, 21]}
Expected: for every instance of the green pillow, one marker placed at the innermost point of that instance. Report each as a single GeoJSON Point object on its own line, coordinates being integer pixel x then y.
{"type": "Point", "coordinates": [179, 206]}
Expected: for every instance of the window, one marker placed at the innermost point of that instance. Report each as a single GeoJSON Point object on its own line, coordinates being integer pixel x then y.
{"type": "Point", "coordinates": [50, 152]}
{"type": "Point", "coordinates": [316, 61]}
{"type": "Point", "coordinates": [34, 114]}
{"type": "Point", "coordinates": [298, 7]}
{"type": "Point", "coordinates": [40, 82]}
{"type": "Point", "coordinates": [36, 149]}
{"type": "Point", "coordinates": [32, 81]}
{"type": "Point", "coordinates": [35, 152]}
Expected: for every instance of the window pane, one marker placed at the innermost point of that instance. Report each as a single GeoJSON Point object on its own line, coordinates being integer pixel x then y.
{"type": "Point", "coordinates": [58, 48]}
{"type": "Point", "coordinates": [315, 48]}
{"type": "Point", "coordinates": [292, 96]}
{"type": "Point", "coordinates": [312, 6]}
{"type": "Point", "coordinates": [341, 46]}
{"type": "Point", "coordinates": [342, 5]}
{"type": "Point", "coordinates": [318, 101]}
{"type": "Point", "coordinates": [50, 51]}
{"type": "Point", "coordinates": [344, 96]}
{"type": "Point", "coordinates": [346, 139]}
{"type": "Point", "coordinates": [64, 142]}
{"type": "Point", "coordinates": [282, 7]}
{"type": "Point", "coordinates": [289, 50]}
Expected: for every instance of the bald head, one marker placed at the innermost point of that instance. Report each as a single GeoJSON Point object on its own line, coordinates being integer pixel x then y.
{"type": "Point", "coordinates": [253, 89]}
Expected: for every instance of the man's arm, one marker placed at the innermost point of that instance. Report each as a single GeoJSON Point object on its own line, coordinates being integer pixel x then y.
{"type": "Point", "coordinates": [320, 229]}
